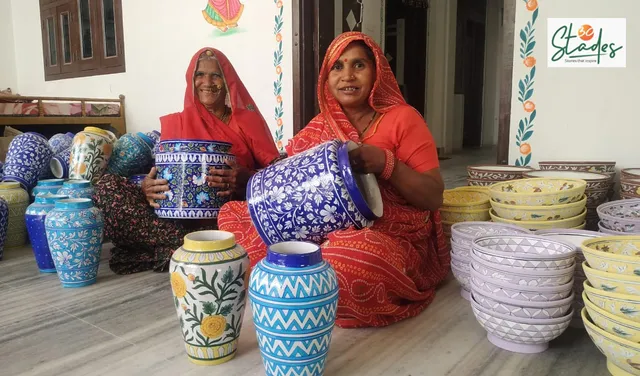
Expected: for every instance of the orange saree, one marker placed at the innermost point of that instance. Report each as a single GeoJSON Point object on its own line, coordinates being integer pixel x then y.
{"type": "Point", "coordinates": [388, 272]}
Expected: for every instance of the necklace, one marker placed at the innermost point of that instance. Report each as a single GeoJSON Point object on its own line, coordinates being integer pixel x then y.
{"type": "Point", "coordinates": [368, 125]}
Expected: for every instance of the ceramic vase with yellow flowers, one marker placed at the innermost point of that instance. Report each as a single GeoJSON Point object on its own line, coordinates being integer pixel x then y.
{"type": "Point", "coordinates": [209, 276]}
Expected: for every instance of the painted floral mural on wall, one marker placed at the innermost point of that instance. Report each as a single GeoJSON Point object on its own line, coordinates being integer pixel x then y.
{"type": "Point", "coordinates": [223, 14]}
{"type": "Point", "coordinates": [526, 86]}
{"type": "Point", "coordinates": [277, 64]}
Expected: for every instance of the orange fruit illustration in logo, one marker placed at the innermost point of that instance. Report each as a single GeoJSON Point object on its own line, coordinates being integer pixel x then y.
{"type": "Point", "coordinates": [529, 61]}
{"type": "Point", "coordinates": [532, 5]}
{"type": "Point", "coordinates": [585, 32]}
{"type": "Point", "coordinates": [525, 149]}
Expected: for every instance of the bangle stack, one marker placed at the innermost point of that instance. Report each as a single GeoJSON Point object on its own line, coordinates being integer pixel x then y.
{"type": "Point", "coordinates": [389, 165]}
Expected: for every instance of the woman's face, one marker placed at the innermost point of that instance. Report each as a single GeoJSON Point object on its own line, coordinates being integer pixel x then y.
{"type": "Point", "coordinates": [209, 84]}
{"type": "Point", "coordinates": [352, 76]}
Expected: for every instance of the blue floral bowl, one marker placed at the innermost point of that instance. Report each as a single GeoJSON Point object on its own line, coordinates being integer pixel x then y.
{"type": "Point", "coordinates": [311, 194]}
{"type": "Point", "coordinates": [185, 165]}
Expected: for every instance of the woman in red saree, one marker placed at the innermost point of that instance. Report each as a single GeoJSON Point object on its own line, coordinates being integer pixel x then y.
{"type": "Point", "coordinates": [390, 271]}
{"type": "Point", "coordinates": [217, 107]}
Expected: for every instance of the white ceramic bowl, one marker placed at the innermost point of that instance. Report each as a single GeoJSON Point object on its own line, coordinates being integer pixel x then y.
{"type": "Point", "coordinates": [526, 293]}
{"type": "Point", "coordinates": [522, 277]}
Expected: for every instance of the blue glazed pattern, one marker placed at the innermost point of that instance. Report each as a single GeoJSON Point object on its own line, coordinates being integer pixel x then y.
{"type": "Point", "coordinates": [294, 312]}
{"type": "Point", "coordinates": [59, 164]}
{"type": "Point", "coordinates": [77, 189]}
{"type": "Point", "coordinates": [305, 197]}
{"type": "Point", "coordinates": [28, 156]}
{"type": "Point", "coordinates": [74, 233]}
{"type": "Point", "coordinates": [35, 218]}
{"type": "Point", "coordinates": [4, 224]}
{"type": "Point", "coordinates": [137, 179]}
{"type": "Point", "coordinates": [59, 142]}
{"type": "Point", "coordinates": [131, 154]}
{"type": "Point", "coordinates": [185, 165]}
{"type": "Point", "coordinates": [51, 186]}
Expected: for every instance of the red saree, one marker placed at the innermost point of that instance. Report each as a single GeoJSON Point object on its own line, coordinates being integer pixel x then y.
{"type": "Point", "coordinates": [388, 272]}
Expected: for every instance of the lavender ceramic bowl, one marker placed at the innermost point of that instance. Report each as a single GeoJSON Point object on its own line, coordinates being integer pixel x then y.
{"type": "Point", "coordinates": [464, 233]}
{"type": "Point", "coordinates": [621, 215]}
{"type": "Point", "coordinates": [603, 229]}
{"type": "Point", "coordinates": [575, 237]}
{"type": "Point", "coordinates": [520, 276]}
{"type": "Point", "coordinates": [526, 293]}
{"type": "Point", "coordinates": [463, 277]}
{"type": "Point", "coordinates": [526, 247]}
{"type": "Point", "coordinates": [462, 251]}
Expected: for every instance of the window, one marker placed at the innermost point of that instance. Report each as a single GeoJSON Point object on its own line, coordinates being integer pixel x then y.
{"type": "Point", "coordinates": [81, 38]}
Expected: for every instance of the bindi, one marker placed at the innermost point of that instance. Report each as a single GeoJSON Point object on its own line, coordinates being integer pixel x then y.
{"type": "Point", "coordinates": [345, 60]}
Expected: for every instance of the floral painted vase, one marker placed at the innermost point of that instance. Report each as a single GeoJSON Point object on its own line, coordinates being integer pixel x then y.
{"type": "Point", "coordinates": [74, 232]}
{"type": "Point", "coordinates": [28, 156]}
{"type": "Point", "coordinates": [294, 298]}
{"type": "Point", "coordinates": [59, 164]}
{"type": "Point", "coordinates": [131, 154]}
{"type": "Point", "coordinates": [90, 154]}
{"type": "Point", "coordinates": [35, 217]}
{"type": "Point", "coordinates": [18, 200]}
{"type": "Point", "coordinates": [77, 189]}
{"type": "Point", "coordinates": [60, 141]}
{"type": "Point", "coordinates": [137, 179]}
{"type": "Point", "coordinates": [209, 276]}
{"type": "Point", "coordinates": [185, 164]}
{"type": "Point", "coordinates": [4, 224]}
{"type": "Point", "coordinates": [47, 186]}
{"type": "Point", "coordinates": [309, 195]}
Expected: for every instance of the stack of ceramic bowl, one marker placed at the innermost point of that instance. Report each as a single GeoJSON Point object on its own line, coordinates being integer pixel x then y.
{"type": "Point", "coordinates": [522, 289]}
{"type": "Point", "coordinates": [462, 236]}
{"type": "Point", "coordinates": [540, 203]}
{"type": "Point", "coordinates": [575, 237]}
{"type": "Point", "coordinates": [597, 188]}
{"type": "Point", "coordinates": [620, 217]}
{"type": "Point", "coordinates": [463, 206]}
{"type": "Point", "coordinates": [486, 175]}
{"type": "Point", "coordinates": [612, 300]}
{"type": "Point", "coordinates": [606, 168]}
{"type": "Point", "coordinates": [630, 183]}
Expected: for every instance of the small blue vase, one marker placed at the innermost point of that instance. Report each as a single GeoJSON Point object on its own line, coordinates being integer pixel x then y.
{"type": "Point", "coordinates": [35, 217]}
{"type": "Point", "coordinates": [294, 299]}
{"type": "Point", "coordinates": [77, 189]}
{"type": "Point", "coordinates": [51, 186]}
{"type": "Point", "coordinates": [74, 232]}
{"type": "Point", "coordinates": [59, 164]}
{"type": "Point", "coordinates": [4, 224]}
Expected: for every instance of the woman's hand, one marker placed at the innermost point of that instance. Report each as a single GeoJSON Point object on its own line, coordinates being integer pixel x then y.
{"type": "Point", "coordinates": [154, 188]}
{"type": "Point", "coordinates": [229, 181]}
{"type": "Point", "coordinates": [367, 159]}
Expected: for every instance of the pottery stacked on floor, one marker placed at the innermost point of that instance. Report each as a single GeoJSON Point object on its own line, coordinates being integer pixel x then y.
{"type": "Point", "coordinates": [90, 154]}
{"type": "Point", "coordinates": [540, 203]}
{"type": "Point", "coordinates": [462, 237]}
{"type": "Point", "coordinates": [35, 219]}
{"type": "Point", "coordinates": [185, 165]}
{"type": "Point", "coordinates": [621, 217]}
{"type": "Point", "coordinates": [209, 277]}
{"type": "Point", "coordinates": [605, 168]}
{"type": "Point", "coordinates": [27, 159]}
{"type": "Point", "coordinates": [486, 175]}
{"type": "Point", "coordinates": [612, 300]}
{"type": "Point", "coordinates": [294, 300]}
{"type": "Point", "coordinates": [463, 206]}
{"type": "Point", "coordinates": [522, 289]}
{"type": "Point", "coordinates": [630, 183]}
{"type": "Point", "coordinates": [17, 199]}
{"type": "Point", "coordinates": [311, 194]}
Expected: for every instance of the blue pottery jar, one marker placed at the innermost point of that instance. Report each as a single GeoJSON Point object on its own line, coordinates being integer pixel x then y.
{"type": "Point", "coordinates": [294, 298]}
{"type": "Point", "coordinates": [28, 156]}
{"type": "Point", "coordinates": [51, 186]}
{"type": "Point", "coordinates": [59, 164]}
{"type": "Point", "coordinates": [131, 154]}
{"type": "Point", "coordinates": [60, 141]}
{"type": "Point", "coordinates": [4, 224]}
{"type": "Point", "coordinates": [35, 217]}
{"type": "Point", "coordinates": [74, 232]}
{"type": "Point", "coordinates": [77, 189]}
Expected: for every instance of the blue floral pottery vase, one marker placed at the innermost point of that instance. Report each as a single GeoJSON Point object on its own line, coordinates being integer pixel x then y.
{"type": "Point", "coordinates": [4, 224]}
{"type": "Point", "coordinates": [74, 232]}
{"type": "Point", "coordinates": [28, 156]}
{"type": "Point", "coordinates": [137, 179]}
{"type": "Point", "coordinates": [309, 195]}
{"type": "Point", "coordinates": [35, 217]}
{"type": "Point", "coordinates": [60, 141]}
{"type": "Point", "coordinates": [131, 154]}
{"type": "Point", "coordinates": [51, 186]}
{"type": "Point", "coordinates": [185, 164]}
{"type": "Point", "coordinates": [59, 164]}
{"type": "Point", "coordinates": [77, 189]}
{"type": "Point", "coordinates": [294, 299]}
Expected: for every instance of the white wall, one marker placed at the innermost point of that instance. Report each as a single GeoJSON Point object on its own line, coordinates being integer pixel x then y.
{"type": "Point", "coordinates": [582, 113]}
{"type": "Point", "coordinates": [160, 39]}
{"type": "Point", "coordinates": [7, 49]}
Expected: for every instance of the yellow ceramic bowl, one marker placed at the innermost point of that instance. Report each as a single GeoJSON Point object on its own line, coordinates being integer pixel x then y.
{"type": "Point", "coordinates": [465, 200]}
{"type": "Point", "coordinates": [576, 222]}
{"type": "Point", "coordinates": [617, 326]}
{"type": "Point", "coordinates": [480, 189]}
{"type": "Point", "coordinates": [612, 282]}
{"type": "Point", "coordinates": [623, 356]}
{"type": "Point", "coordinates": [614, 254]}
{"type": "Point", "coordinates": [620, 305]}
{"type": "Point", "coordinates": [539, 213]}
{"type": "Point", "coordinates": [538, 191]}
{"type": "Point", "coordinates": [464, 215]}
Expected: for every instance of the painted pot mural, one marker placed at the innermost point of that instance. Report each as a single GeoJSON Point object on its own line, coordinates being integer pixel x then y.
{"type": "Point", "coordinates": [90, 154]}
{"type": "Point", "coordinates": [185, 165]}
{"type": "Point", "coordinates": [309, 195]}
{"type": "Point", "coordinates": [28, 156]}
{"type": "Point", "coordinates": [18, 200]}
{"type": "Point", "coordinates": [209, 275]}
{"type": "Point", "coordinates": [294, 299]}
{"type": "Point", "coordinates": [35, 218]}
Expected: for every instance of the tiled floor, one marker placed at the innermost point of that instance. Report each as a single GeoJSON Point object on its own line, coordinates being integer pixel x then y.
{"type": "Point", "coordinates": [126, 325]}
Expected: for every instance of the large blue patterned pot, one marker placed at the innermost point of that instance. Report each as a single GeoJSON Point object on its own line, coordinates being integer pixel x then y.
{"type": "Point", "coordinates": [4, 224]}
{"type": "Point", "coordinates": [185, 164]}
{"type": "Point", "coordinates": [77, 189]}
{"type": "Point", "coordinates": [35, 217]}
{"type": "Point", "coordinates": [74, 233]}
{"type": "Point", "coordinates": [309, 195]}
{"type": "Point", "coordinates": [131, 154]}
{"type": "Point", "coordinates": [28, 156]}
{"type": "Point", "coordinates": [294, 298]}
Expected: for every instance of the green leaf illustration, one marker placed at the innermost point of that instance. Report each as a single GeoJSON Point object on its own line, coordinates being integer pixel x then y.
{"type": "Point", "coordinates": [208, 308]}
{"type": "Point", "coordinates": [225, 310]}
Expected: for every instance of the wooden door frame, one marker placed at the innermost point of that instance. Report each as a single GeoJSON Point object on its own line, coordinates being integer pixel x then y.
{"type": "Point", "coordinates": [506, 80]}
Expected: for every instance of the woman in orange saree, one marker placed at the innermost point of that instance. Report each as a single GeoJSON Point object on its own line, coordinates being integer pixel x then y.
{"type": "Point", "coordinates": [388, 272]}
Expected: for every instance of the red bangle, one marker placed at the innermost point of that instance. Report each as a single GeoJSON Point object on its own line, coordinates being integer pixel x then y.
{"type": "Point", "coordinates": [389, 165]}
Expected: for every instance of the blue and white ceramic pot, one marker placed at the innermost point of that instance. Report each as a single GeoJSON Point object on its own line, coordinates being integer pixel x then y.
{"type": "Point", "coordinates": [137, 179]}
{"type": "Point", "coordinates": [59, 164]}
{"type": "Point", "coordinates": [4, 224]}
{"type": "Point", "coordinates": [77, 189]}
{"type": "Point", "coordinates": [294, 298]}
{"type": "Point", "coordinates": [18, 200]}
{"type": "Point", "coordinates": [60, 141]}
{"type": "Point", "coordinates": [185, 164]}
{"type": "Point", "coordinates": [209, 276]}
{"type": "Point", "coordinates": [311, 194]}
{"type": "Point", "coordinates": [51, 186]}
{"type": "Point", "coordinates": [74, 232]}
{"type": "Point", "coordinates": [35, 217]}
{"type": "Point", "coordinates": [28, 156]}
{"type": "Point", "coordinates": [131, 154]}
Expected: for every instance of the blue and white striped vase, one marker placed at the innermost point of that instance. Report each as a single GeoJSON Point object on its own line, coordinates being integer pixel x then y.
{"type": "Point", "coordinates": [294, 298]}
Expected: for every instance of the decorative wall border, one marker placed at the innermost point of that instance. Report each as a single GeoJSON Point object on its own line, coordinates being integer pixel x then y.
{"type": "Point", "coordinates": [525, 86]}
{"type": "Point", "coordinates": [277, 64]}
